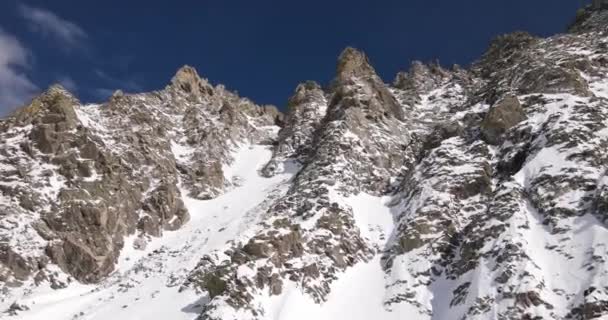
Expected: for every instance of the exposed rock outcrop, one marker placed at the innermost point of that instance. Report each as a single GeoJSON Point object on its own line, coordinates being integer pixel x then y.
{"type": "Point", "coordinates": [81, 183]}
{"type": "Point", "coordinates": [501, 117]}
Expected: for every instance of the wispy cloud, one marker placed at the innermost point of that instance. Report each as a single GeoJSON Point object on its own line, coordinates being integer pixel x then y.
{"type": "Point", "coordinates": [68, 83]}
{"type": "Point", "coordinates": [111, 81]}
{"type": "Point", "coordinates": [50, 25]}
{"type": "Point", "coordinates": [116, 83]}
{"type": "Point", "coordinates": [103, 93]}
{"type": "Point", "coordinates": [15, 87]}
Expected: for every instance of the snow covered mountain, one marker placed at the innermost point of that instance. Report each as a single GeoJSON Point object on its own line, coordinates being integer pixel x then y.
{"type": "Point", "coordinates": [478, 193]}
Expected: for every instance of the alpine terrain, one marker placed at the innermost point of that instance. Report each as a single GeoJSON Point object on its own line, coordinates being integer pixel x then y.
{"type": "Point", "coordinates": [450, 194]}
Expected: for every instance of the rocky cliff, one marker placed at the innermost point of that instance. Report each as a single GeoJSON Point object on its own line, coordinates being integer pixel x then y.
{"type": "Point", "coordinates": [452, 193]}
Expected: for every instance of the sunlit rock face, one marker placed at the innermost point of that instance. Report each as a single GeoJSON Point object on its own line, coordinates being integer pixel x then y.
{"type": "Point", "coordinates": [77, 179]}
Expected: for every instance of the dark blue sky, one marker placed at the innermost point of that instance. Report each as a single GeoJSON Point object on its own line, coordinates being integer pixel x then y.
{"type": "Point", "coordinates": [261, 48]}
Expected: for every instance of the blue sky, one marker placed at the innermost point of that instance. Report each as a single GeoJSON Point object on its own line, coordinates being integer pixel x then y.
{"type": "Point", "coordinates": [262, 48]}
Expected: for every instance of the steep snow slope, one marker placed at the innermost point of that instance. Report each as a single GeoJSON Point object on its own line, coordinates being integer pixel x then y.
{"type": "Point", "coordinates": [146, 284]}
{"type": "Point", "coordinates": [359, 292]}
{"type": "Point", "coordinates": [357, 295]}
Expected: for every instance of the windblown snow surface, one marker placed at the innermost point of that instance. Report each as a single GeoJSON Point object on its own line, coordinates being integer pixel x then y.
{"type": "Point", "coordinates": [146, 283]}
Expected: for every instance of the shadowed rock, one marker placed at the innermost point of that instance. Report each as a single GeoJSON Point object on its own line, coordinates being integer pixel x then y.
{"type": "Point", "coordinates": [502, 116]}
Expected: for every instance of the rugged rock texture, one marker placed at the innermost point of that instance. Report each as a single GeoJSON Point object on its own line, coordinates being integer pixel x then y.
{"type": "Point", "coordinates": [76, 179]}
{"type": "Point", "coordinates": [491, 170]}
{"type": "Point", "coordinates": [307, 236]}
{"type": "Point", "coordinates": [501, 117]}
{"type": "Point", "coordinates": [305, 111]}
{"type": "Point", "coordinates": [495, 177]}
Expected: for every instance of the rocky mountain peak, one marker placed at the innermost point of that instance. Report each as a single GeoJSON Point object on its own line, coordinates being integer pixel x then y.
{"type": "Point", "coordinates": [58, 89]}
{"type": "Point", "coordinates": [358, 87]}
{"type": "Point", "coordinates": [188, 81]}
{"type": "Point", "coordinates": [54, 102]}
{"type": "Point", "coordinates": [421, 77]}
{"type": "Point", "coordinates": [57, 92]}
{"type": "Point", "coordinates": [306, 92]}
{"type": "Point", "coordinates": [308, 86]}
{"type": "Point", "coordinates": [590, 19]}
{"type": "Point", "coordinates": [353, 63]}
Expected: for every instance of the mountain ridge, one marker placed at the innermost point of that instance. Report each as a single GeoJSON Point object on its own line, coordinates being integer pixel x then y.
{"type": "Point", "coordinates": [456, 190]}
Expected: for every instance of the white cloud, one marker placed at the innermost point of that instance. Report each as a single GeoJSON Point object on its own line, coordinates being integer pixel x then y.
{"type": "Point", "coordinates": [50, 25]}
{"type": "Point", "coordinates": [15, 87]}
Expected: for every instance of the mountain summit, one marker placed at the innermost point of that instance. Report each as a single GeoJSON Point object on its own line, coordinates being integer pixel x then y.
{"type": "Point", "coordinates": [478, 193]}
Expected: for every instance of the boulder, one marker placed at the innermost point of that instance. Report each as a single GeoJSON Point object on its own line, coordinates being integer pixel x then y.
{"type": "Point", "coordinates": [501, 117]}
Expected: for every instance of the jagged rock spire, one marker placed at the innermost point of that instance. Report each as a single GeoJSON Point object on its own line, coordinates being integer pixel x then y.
{"type": "Point", "coordinates": [421, 77]}
{"type": "Point", "coordinates": [353, 62]}
{"type": "Point", "coordinates": [187, 80]}
{"type": "Point", "coordinates": [56, 100]}
{"type": "Point", "coordinates": [353, 66]}
{"type": "Point", "coordinates": [56, 91]}
{"type": "Point", "coordinates": [590, 19]}
{"type": "Point", "coordinates": [306, 92]}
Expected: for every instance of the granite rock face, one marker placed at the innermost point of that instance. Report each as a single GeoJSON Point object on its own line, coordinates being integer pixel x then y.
{"type": "Point", "coordinates": [478, 193]}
